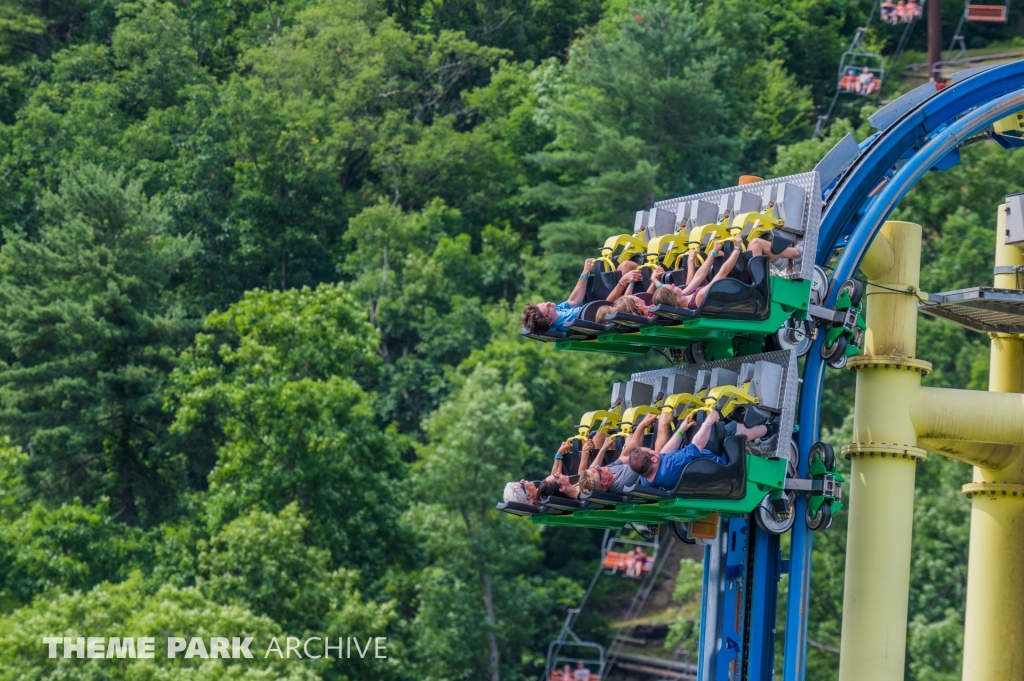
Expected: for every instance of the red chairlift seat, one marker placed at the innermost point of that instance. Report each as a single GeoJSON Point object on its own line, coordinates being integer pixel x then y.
{"type": "Point", "coordinates": [989, 13]}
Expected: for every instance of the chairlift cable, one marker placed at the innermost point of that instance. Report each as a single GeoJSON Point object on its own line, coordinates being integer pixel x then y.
{"type": "Point", "coordinates": [904, 40]}
{"type": "Point", "coordinates": [956, 34]}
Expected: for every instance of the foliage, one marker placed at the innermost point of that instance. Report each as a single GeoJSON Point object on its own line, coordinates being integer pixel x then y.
{"type": "Point", "coordinates": [89, 328]}
{"type": "Point", "coordinates": [689, 584]}
{"type": "Point", "coordinates": [481, 611]}
{"type": "Point", "coordinates": [272, 380]}
{"type": "Point", "coordinates": [113, 609]}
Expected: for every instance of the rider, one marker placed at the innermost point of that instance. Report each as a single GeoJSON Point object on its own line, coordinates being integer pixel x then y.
{"type": "Point", "coordinates": [555, 484]}
{"type": "Point", "coordinates": [539, 317]}
{"type": "Point", "coordinates": [616, 476]}
{"type": "Point", "coordinates": [692, 295]}
{"type": "Point", "coordinates": [663, 470]}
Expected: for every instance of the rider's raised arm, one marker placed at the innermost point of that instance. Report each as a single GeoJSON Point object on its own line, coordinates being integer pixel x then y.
{"type": "Point", "coordinates": [578, 293]}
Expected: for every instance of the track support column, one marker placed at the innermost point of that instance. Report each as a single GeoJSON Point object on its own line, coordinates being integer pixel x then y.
{"type": "Point", "coordinates": [884, 457]}
{"type": "Point", "coordinates": [994, 624]}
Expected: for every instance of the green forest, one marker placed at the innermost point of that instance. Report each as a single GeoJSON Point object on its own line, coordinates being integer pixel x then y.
{"type": "Point", "coordinates": [261, 269]}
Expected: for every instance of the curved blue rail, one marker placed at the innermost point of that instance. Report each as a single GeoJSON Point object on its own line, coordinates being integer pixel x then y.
{"type": "Point", "coordinates": [889, 165]}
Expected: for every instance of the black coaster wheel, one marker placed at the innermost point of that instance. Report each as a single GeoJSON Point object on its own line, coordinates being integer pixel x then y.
{"type": "Point", "coordinates": [819, 285]}
{"type": "Point", "coordinates": [679, 529]}
{"type": "Point", "coordinates": [835, 353]}
{"type": "Point", "coordinates": [820, 521]}
{"type": "Point", "coordinates": [854, 289]}
{"type": "Point", "coordinates": [795, 336]}
{"type": "Point", "coordinates": [822, 451]}
{"type": "Point", "coordinates": [696, 352]}
{"type": "Point", "coordinates": [776, 516]}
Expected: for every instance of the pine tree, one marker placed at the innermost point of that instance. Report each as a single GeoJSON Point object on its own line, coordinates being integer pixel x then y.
{"type": "Point", "coordinates": [89, 331]}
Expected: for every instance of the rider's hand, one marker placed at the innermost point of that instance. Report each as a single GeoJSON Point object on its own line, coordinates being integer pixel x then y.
{"type": "Point", "coordinates": [566, 447]}
{"type": "Point", "coordinates": [691, 256]}
{"type": "Point", "coordinates": [648, 420]}
{"type": "Point", "coordinates": [717, 246]}
{"type": "Point", "coordinates": [738, 240]}
{"type": "Point", "coordinates": [658, 271]}
{"type": "Point", "coordinates": [713, 417]}
{"type": "Point", "coordinates": [665, 418]}
{"type": "Point", "coordinates": [588, 266]}
{"type": "Point", "coordinates": [632, 277]}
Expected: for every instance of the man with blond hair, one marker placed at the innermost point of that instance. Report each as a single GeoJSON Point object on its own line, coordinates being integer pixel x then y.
{"type": "Point", "coordinates": [616, 476]}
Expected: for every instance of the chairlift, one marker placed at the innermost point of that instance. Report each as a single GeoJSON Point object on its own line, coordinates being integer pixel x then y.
{"type": "Point", "coordinates": [861, 72]}
{"type": "Point", "coordinates": [569, 649]}
{"type": "Point", "coordinates": [902, 12]}
{"type": "Point", "coordinates": [988, 13]}
{"type": "Point", "coordinates": [615, 561]}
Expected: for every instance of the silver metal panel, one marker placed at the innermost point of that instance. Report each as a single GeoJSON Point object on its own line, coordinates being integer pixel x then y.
{"type": "Point", "coordinates": [701, 213]}
{"type": "Point", "coordinates": [1015, 219]}
{"type": "Point", "coordinates": [745, 202]}
{"type": "Point", "coordinates": [838, 159]}
{"type": "Point", "coordinates": [894, 110]}
{"type": "Point", "coordinates": [790, 387]}
{"type": "Point", "coordinates": [640, 222]}
{"type": "Point", "coordinates": [637, 394]}
{"type": "Point", "coordinates": [790, 202]}
{"type": "Point", "coordinates": [660, 221]}
{"type": "Point", "coordinates": [723, 376]}
{"type": "Point", "coordinates": [674, 384]}
{"type": "Point", "coordinates": [767, 385]}
{"type": "Point", "coordinates": [809, 182]}
{"type": "Point", "coordinates": [618, 395]}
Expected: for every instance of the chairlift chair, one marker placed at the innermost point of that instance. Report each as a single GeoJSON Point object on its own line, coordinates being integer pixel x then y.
{"type": "Point", "coordinates": [987, 13]}
{"type": "Point", "coordinates": [855, 63]}
{"type": "Point", "coordinates": [614, 561]}
{"type": "Point", "coordinates": [590, 653]}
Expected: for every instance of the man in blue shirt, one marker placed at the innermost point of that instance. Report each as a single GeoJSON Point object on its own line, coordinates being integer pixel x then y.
{"type": "Point", "coordinates": [663, 470]}
{"type": "Point", "coordinates": [539, 317]}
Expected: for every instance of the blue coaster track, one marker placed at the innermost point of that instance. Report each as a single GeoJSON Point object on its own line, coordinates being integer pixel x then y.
{"type": "Point", "coordinates": [920, 131]}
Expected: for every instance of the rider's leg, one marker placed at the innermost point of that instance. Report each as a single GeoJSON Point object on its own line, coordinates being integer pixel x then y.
{"type": "Point", "coordinates": [722, 274]}
{"type": "Point", "coordinates": [760, 246]}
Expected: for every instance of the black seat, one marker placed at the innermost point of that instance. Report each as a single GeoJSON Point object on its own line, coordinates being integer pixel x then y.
{"type": "Point", "coordinates": [605, 498]}
{"type": "Point", "coordinates": [565, 504]}
{"type": "Point", "coordinates": [779, 242]}
{"type": "Point", "coordinates": [515, 508]}
{"type": "Point", "coordinates": [730, 298]}
{"type": "Point", "coordinates": [706, 479]}
{"type": "Point", "coordinates": [600, 286]}
{"type": "Point", "coordinates": [586, 322]}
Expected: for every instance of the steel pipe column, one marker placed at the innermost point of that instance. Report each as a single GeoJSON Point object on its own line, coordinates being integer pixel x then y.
{"type": "Point", "coordinates": [994, 624]}
{"type": "Point", "coordinates": [877, 582]}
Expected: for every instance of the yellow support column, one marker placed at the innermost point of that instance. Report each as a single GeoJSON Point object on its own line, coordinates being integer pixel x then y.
{"type": "Point", "coordinates": [994, 624]}
{"type": "Point", "coordinates": [884, 456]}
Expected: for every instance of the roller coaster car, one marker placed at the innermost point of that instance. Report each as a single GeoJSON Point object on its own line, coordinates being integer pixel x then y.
{"type": "Point", "coordinates": [747, 483]}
